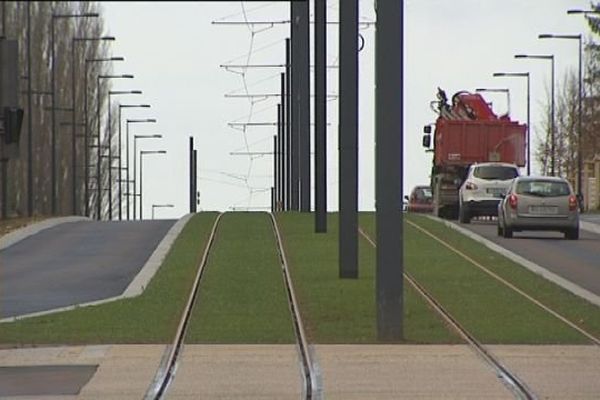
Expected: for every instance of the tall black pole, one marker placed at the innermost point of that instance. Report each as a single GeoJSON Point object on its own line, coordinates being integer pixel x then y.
{"type": "Point", "coordinates": [73, 133]}
{"type": "Point", "coordinates": [282, 147]}
{"type": "Point", "coordinates": [303, 67]}
{"type": "Point", "coordinates": [191, 183]}
{"type": "Point", "coordinates": [86, 144]}
{"type": "Point", "coordinates": [320, 140]}
{"type": "Point", "coordinates": [195, 182]}
{"type": "Point", "coordinates": [579, 132]}
{"type": "Point", "coordinates": [53, 113]}
{"type": "Point", "coordinates": [288, 125]}
{"type": "Point", "coordinates": [120, 169]}
{"type": "Point", "coordinates": [553, 145]}
{"type": "Point", "coordinates": [3, 160]}
{"type": "Point", "coordinates": [99, 161]}
{"type": "Point", "coordinates": [275, 169]}
{"type": "Point", "coordinates": [294, 99]}
{"type": "Point", "coordinates": [348, 139]}
{"type": "Point", "coordinates": [110, 199]}
{"type": "Point", "coordinates": [280, 156]}
{"type": "Point", "coordinates": [389, 65]}
{"type": "Point", "coordinates": [29, 118]}
{"type": "Point", "coordinates": [528, 129]}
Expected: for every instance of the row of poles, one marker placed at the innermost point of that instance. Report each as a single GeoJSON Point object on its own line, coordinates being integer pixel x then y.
{"type": "Point", "coordinates": [291, 146]}
{"type": "Point", "coordinates": [88, 143]}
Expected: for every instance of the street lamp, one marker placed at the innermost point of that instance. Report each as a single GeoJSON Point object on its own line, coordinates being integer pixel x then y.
{"type": "Point", "coordinates": [552, 139]}
{"type": "Point", "coordinates": [142, 153]}
{"type": "Point", "coordinates": [110, 158]}
{"type": "Point", "coordinates": [74, 117]}
{"type": "Point", "coordinates": [135, 137]}
{"type": "Point", "coordinates": [53, 90]}
{"type": "Point", "coordinates": [579, 148]}
{"type": "Point", "coordinates": [522, 74]}
{"type": "Point", "coordinates": [121, 106]}
{"type": "Point", "coordinates": [99, 163]}
{"type": "Point", "coordinates": [501, 90]}
{"type": "Point", "coordinates": [146, 120]}
{"type": "Point", "coordinates": [160, 206]}
{"type": "Point", "coordinates": [87, 133]}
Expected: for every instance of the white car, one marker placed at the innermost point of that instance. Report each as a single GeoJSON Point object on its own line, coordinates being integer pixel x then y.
{"type": "Point", "coordinates": [483, 188]}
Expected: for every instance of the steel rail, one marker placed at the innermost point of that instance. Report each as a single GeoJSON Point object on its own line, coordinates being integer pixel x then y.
{"type": "Point", "coordinates": [511, 381]}
{"type": "Point", "coordinates": [310, 378]}
{"type": "Point", "coordinates": [563, 319]}
{"type": "Point", "coordinates": [164, 377]}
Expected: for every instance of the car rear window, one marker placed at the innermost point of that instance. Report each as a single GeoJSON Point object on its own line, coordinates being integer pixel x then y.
{"type": "Point", "coordinates": [495, 172]}
{"type": "Point", "coordinates": [543, 188]}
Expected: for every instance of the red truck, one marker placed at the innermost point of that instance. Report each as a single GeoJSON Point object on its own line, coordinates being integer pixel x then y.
{"type": "Point", "coordinates": [466, 132]}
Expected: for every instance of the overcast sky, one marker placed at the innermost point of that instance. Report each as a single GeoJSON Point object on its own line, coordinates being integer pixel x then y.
{"type": "Point", "coordinates": [175, 52]}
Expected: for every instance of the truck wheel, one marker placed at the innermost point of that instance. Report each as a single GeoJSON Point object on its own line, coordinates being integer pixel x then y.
{"type": "Point", "coordinates": [463, 215]}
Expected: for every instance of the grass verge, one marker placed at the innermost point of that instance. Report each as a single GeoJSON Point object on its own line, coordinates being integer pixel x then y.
{"type": "Point", "coordinates": [343, 310]}
{"type": "Point", "coordinates": [242, 296]}
{"type": "Point", "coordinates": [149, 318]}
{"type": "Point", "coordinates": [574, 308]}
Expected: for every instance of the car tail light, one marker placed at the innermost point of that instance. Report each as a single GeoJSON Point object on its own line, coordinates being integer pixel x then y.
{"type": "Point", "coordinates": [512, 201]}
{"type": "Point", "coordinates": [470, 186]}
{"type": "Point", "coordinates": [572, 203]}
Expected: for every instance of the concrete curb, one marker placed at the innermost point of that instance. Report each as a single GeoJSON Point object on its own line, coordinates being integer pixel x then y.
{"type": "Point", "coordinates": [16, 236]}
{"type": "Point", "coordinates": [544, 273]}
{"type": "Point", "coordinates": [588, 226]}
{"type": "Point", "coordinates": [137, 285]}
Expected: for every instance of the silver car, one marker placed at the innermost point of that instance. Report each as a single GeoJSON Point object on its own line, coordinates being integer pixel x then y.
{"type": "Point", "coordinates": [539, 203]}
{"type": "Point", "coordinates": [482, 189]}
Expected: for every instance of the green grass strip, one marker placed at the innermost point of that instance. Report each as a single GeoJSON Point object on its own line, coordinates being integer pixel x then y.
{"type": "Point", "coordinates": [572, 307]}
{"type": "Point", "coordinates": [338, 310]}
{"type": "Point", "coordinates": [151, 317]}
{"type": "Point", "coordinates": [242, 297]}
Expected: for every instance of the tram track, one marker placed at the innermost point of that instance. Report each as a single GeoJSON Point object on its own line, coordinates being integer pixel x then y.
{"type": "Point", "coordinates": [166, 373]}
{"type": "Point", "coordinates": [508, 378]}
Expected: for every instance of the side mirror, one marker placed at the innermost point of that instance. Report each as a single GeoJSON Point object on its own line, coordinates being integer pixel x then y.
{"type": "Point", "coordinates": [406, 198]}
{"type": "Point", "coordinates": [427, 129]}
{"type": "Point", "coordinates": [502, 195]}
{"type": "Point", "coordinates": [426, 141]}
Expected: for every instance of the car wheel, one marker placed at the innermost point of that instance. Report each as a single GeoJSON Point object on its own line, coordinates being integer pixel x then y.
{"type": "Point", "coordinates": [463, 215]}
{"type": "Point", "coordinates": [572, 234]}
{"type": "Point", "coordinates": [506, 231]}
{"type": "Point", "coordinates": [500, 230]}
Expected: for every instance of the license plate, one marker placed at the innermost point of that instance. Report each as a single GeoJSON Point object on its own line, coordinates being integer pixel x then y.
{"type": "Point", "coordinates": [543, 210]}
{"type": "Point", "coordinates": [497, 192]}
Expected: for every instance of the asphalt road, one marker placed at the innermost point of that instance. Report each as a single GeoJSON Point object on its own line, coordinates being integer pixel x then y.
{"type": "Point", "coordinates": [575, 260]}
{"type": "Point", "coordinates": [74, 263]}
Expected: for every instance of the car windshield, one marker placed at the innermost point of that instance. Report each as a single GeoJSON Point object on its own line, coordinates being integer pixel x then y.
{"type": "Point", "coordinates": [543, 188]}
{"type": "Point", "coordinates": [495, 172]}
{"type": "Point", "coordinates": [425, 193]}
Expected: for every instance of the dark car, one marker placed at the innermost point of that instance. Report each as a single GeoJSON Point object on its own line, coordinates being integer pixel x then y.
{"type": "Point", "coordinates": [420, 200]}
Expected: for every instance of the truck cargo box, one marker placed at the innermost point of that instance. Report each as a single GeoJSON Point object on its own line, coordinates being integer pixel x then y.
{"type": "Point", "coordinates": [463, 142]}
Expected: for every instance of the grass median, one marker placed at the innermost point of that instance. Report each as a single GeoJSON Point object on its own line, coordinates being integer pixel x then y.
{"type": "Point", "coordinates": [242, 297]}
{"type": "Point", "coordinates": [151, 317]}
{"type": "Point", "coordinates": [507, 316]}
{"type": "Point", "coordinates": [338, 310]}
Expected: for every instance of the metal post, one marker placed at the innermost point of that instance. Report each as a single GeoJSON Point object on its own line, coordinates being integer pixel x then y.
{"type": "Point", "coordinates": [128, 194]}
{"type": "Point", "coordinates": [320, 11]}
{"type": "Point", "coordinates": [280, 168]}
{"type": "Point", "coordinates": [303, 93]}
{"type": "Point", "coordinates": [141, 183]}
{"type": "Point", "coordinates": [195, 181]}
{"type": "Point", "coordinates": [553, 125]}
{"type": "Point", "coordinates": [120, 169]}
{"type": "Point", "coordinates": [99, 161]}
{"type": "Point", "coordinates": [109, 163]}
{"type": "Point", "coordinates": [282, 148]}
{"type": "Point", "coordinates": [579, 135]}
{"type": "Point", "coordinates": [348, 139]}
{"type": "Point", "coordinates": [288, 126]}
{"type": "Point", "coordinates": [389, 132]}
{"type": "Point", "coordinates": [295, 58]}
{"type": "Point", "coordinates": [191, 157]}
{"type": "Point", "coordinates": [73, 134]}
{"type": "Point", "coordinates": [528, 130]}
{"type": "Point", "coordinates": [135, 178]}
{"type": "Point", "coordinates": [29, 117]}
{"type": "Point", "coordinates": [275, 169]}
{"type": "Point", "coordinates": [53, 114]}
